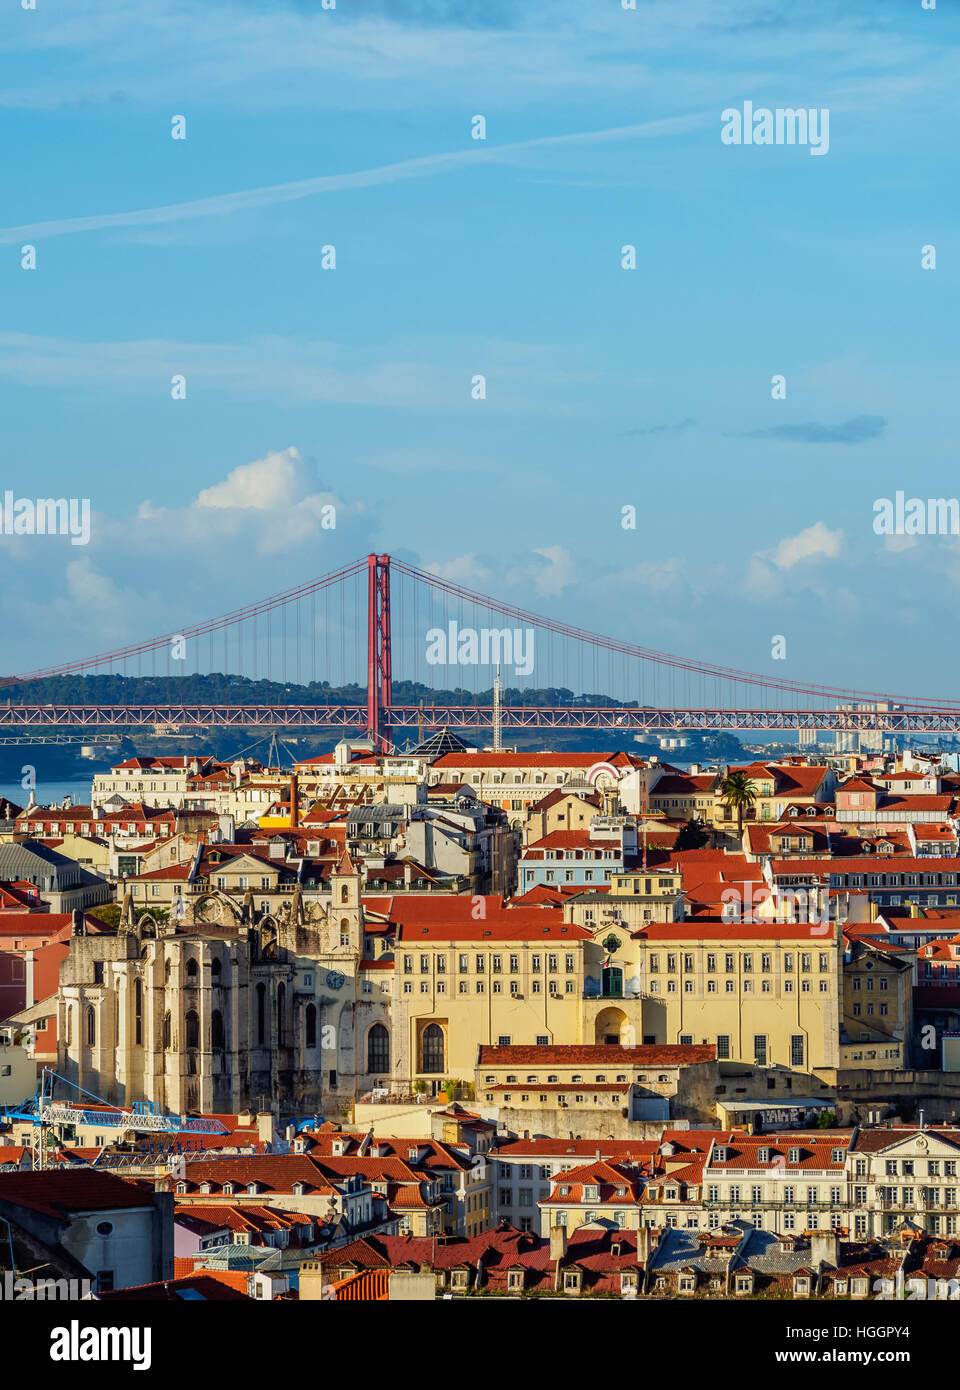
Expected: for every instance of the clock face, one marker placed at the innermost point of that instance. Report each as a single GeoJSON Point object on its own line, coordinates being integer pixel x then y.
{"type": "Point", "coordinates": [335, 979]}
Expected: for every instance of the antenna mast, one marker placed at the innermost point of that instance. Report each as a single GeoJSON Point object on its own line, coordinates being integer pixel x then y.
{"type": "Point", "coordinates": [496, 711]}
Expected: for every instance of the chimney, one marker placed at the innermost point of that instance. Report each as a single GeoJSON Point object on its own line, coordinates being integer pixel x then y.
{"type": "Point", "coordinates": [643, 1245]}
{"type": "Point", "coordinates": [558, 1242]}
{"type": "Point", "coordinates": [824, 1249]}
{"type": "Point", "coordinates": [265, 1127]}
{"type": "Point", "coordinates": [294, 808]}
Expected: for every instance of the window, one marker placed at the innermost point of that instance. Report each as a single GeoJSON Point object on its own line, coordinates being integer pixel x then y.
{"type": "Point", "coordinates": [432, 1048]}
{"type": "Point", "coordinates": [91, 1029]}
{"type": "Point", "coordinates": [796, 1050]}
{"type": "Point", "coordinates": [192, 1023]}
{"type": "Point", "coordinates": [760, 1049]}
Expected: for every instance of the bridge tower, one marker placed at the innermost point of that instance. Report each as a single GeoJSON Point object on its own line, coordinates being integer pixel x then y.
{"type": "Point", "coordinates": [379, 665]}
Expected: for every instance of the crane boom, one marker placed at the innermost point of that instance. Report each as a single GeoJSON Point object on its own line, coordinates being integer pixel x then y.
{"type": "Point", "coordinates": [144, 1117]}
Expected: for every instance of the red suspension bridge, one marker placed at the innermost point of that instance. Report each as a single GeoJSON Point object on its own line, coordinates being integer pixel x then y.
{"type": "Point", "coordinates": [425, 637]}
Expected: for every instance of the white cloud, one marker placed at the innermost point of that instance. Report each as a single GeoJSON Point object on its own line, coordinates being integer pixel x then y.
{"type": "Point", "coordinates": [465, 569]}
{"type": "Point", "coordinates": [268, 504]}
{"type": "Point", "coordinates": [263, 485]}
{"type": "Point", "coordinates": [814, 543]}
{"type": "Point", "coordinates": [551, 579]}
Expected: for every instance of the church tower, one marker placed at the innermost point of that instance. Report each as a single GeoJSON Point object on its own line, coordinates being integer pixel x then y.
{"type": "Point", "coordinates": [345, 914]}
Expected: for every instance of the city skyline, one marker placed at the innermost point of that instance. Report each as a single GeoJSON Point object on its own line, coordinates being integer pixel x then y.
{"type": "Point", "coordinates": [606, 388]}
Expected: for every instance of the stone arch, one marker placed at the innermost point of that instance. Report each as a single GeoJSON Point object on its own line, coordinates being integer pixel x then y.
{"type": "Point", "coordinates": [613, 1025]}
{"type": "Point", "coordinates": [269, 930]}
{"type": "Point", "coordinates": [216, 907]}
{"type": "Point", "coordinates": [261, 1014]}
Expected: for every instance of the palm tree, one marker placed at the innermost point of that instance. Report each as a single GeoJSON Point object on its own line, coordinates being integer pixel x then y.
{"type": "Point", "coordinates": [738, 791]}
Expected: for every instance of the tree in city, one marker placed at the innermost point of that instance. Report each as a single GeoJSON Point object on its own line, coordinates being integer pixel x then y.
{"type": "Point", "coordinates": [692, 835]}
{"type": "Point", "coordinates": [738, 794]}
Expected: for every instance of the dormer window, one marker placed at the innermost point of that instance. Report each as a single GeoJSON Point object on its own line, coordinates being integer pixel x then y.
{"type": "Point", "coordinates": [181, 1187]}
{"type": "Point", "coordinates": [763, 1155]}
{"type": "Point", "coordinates": [793, 1156]}
{"type": "Point", "coordinates": [228, 1189]}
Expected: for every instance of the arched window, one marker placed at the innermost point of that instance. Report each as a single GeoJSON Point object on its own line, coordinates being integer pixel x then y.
{"type": "Point", "coordinates": [166, 1032]}
{"type": "Point", "coordinates": [311, 1025]}
{"type": "Point", "coordinates": [261, 1011]}
{"type": "Point", "coordinates": [216, 1030]}
{"type": "Point", "coordinates": [192, 969]}
{"type": "Point", "coordinates": [192, 1022]}
{"type": "Point", "coordinates": [91, 1027]}
{"type": "Point", "coordinates": [344, 893]}
{"type": "Point", "coordinates": [378, 1049]}
{"type": "Point", "coordinates": [138, 1012]}
{"type": "Point", "coordinates": [344, 931]}
{"type": "Point", "coordinates": [166, 972]}
{"type": "Point", "coordinates": [215, 968]}
{"type": "Point", "coordinates": [432, 1045]}
{"type": "Point", "coordinates": [69, 1025]}
{"type": "Point", "coordinates": [281, 1001]}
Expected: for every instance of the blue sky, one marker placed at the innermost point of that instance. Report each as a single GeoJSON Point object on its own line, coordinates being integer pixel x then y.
{"type": "Point", "coordinates": [455, 257]}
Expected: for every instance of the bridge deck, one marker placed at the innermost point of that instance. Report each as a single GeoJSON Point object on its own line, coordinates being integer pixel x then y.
{"type": "Point", "coordinates": [177, 718]}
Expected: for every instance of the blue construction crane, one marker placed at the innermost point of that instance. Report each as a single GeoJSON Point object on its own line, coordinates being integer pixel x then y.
{"type": "Point", "coordinates": [144, 1117]}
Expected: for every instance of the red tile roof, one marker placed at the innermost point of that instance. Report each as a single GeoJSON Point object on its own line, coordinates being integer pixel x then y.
{"type": "Point", "coordinates": [209, 1286]}
{"type": "Point", "coordinates": [441, 917]}
{"type": "Point", "coordinates": [65, 1192]}
{"type": "Point", "coordinates": [580, 1054]}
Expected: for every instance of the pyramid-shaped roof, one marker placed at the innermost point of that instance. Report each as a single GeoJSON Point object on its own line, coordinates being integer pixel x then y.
{"type": "Point", "coordinates": [443, 741]}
